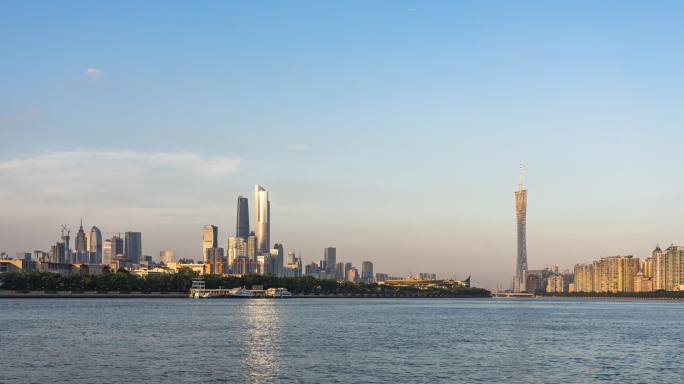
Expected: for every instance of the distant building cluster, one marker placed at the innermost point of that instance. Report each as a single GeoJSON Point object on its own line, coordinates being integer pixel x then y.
{"type": "Point", "coordinates": [664, 270]}
{"type": "Point", "coordinates": [329, 268]}
{"type": "Point", "coordinates": [249, 251]}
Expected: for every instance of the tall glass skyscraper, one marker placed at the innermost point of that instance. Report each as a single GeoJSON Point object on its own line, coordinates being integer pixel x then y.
{"type": "Point", "coordinates": [262, 222]}
{"type": "Point", "coordinates": [330, 260]}
{"type": "Point", "coordinates": [242, 222]}
{"type": "Point", "coordinates": [133, 247]}
{"type": "Point", "coordinates": [95, 245]}
{"type": "Point", "coordinates": [521, 260]}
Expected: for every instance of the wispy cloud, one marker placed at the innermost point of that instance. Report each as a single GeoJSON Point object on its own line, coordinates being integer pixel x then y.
{"type": "Point", "coordinates": [94, 73]}
{"type": "Point", "coordinates": [297, 147]}
{"type": "Point", "coordinates": [111, 179]}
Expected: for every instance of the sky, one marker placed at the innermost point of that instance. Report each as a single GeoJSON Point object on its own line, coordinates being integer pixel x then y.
{"type": "Point", "coordinates": [393, 130]}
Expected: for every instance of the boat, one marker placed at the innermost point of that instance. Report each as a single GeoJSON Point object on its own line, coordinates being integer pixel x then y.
{"type": "Point", "coordinates": [240, 293]}
{"type": "Point", "coordinates": [278, 293]}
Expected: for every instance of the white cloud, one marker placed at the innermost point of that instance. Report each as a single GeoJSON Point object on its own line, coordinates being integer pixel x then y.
{"type": "Point", "coordinates": [94, 73]}
{"type": "Point", "coordinates": [111, 180]}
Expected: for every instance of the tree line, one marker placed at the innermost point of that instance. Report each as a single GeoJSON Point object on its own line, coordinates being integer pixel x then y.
{"type": "Point", "coordinates": [181, 281]}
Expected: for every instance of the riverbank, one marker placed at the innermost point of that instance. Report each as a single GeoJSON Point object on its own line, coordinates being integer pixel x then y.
{"type": "Point", "coordinates": [606, 297]}
{"type": "Point", "coordinates": [178, 295]}
{"type": "Point", "coordinates": [89, 295]}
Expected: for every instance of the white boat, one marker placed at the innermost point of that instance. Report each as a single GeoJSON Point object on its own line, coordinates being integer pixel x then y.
{"type": "Point", "coordinates": [278, 293]}
{"type": "Point", "coordinates": [240, 293]}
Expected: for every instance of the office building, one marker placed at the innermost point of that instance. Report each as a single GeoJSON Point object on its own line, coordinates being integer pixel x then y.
{"type": "Point", "coordinates": [278, 255]}
{"type": "Point", "coordinates": [262, 222]}
{"type": "Point", "coordinates": [294, 265]}
{"type": "Point", "coordinates": [215, 263]}
{"type": "Point", "coordinates": [94, 245]}
{"type": "Point", "coordinates": [329, 261]}
{"type": "Point", "coordinates": [347, 268]}
{"type": "Point", "coordinates": [80, 246]}
{"type": "Point", "coordinates": [107, 252]}
{"type": "Point", "coordinates": [252, 246]}
{"type": "Point", "coordinates": [353, 275]}
{"type": "Point", "coordinates": [367, 272]}
{"type": "Point", "coordinates": [209, 240]}
{"type": "Point", "coordinates": [237, 247]}
{"type": "Point", "coordinates": [133, 247]}
{"type": "Point", "coordinates": [242, 220]}
{"type": "Point", "coordinates": [339, 271]}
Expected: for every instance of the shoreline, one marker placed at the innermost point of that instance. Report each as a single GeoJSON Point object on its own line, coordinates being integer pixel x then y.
{"type": "Point", "coordinates": [610, 297]}
{"type": "Point", "coordinates": [184, 295]}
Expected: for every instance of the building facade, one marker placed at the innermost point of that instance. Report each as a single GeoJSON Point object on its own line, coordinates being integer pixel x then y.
{"type": "Point", "coordinates": [521, 219]}
{"type": "Point", "coordinates": [262, 216]}
{"type": "Point", "coordinates": [242, 220]}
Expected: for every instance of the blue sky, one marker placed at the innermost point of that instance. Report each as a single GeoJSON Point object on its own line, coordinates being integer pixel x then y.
{"type": "Point", "coordinates": [392, 130]}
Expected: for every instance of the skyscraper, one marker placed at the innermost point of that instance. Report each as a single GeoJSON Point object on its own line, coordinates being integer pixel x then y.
{"type": "Point", "coordinates": [237, 247]}
{"type": "Point", "coordinates": [107, 252]}
{"type": "Point", "coordinates": [95, 245]}
{"type": "Point", "coordinates": [209, 240]}
{"type": "Point", "coordinates": [330, 261]}
{"type": "Point", "coordinates": [521, 215]}
{"type": "Point", "coordinates": [242, 221]}
{"type": "Point", "coordinates": [262, 222]}
{"type": "Point", "coordinates": [278, 254]}
{"type": "Point", "coordinates": [347, 268]}
{"type": "Point", "coordinates": [80, 245]}
{"type": "Point", "coordinates": [367, 272]}
{"type": "Point", "coordinates": [117, 246]}
{"type": "Point", "coordinates": [133, 247]}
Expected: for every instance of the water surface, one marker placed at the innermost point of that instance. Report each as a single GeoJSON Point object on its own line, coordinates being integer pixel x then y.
{"type": "Point", "coordinates": [340, 341]}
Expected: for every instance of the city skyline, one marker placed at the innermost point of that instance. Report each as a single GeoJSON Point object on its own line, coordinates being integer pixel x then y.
{"type": "Point", "coordinates": [358, 132]}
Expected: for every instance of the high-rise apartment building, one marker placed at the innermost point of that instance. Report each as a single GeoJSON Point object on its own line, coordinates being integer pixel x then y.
{"type": "Point", "coordinates": [133, 247]}
{"type": "Point", "coordinates": [609, 274]}
{"type": "Point", "coordinates": [262, 222]}
{"type": "Point", "coordinates": [209, 240]}
{"type": "Point", "coordinates": [554, 284]}
{"type": "Point", "coordinates": [521, 217]}
{"type": "Point", "coordinates": [668, 268]}
{"type": "Point", "coordinates": [242, 220]}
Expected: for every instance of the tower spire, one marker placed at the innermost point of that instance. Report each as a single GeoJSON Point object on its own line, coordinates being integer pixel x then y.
{"type": "Point", "coordinates": [520, 177]}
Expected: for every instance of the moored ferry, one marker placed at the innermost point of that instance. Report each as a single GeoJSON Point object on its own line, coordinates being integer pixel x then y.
{"type": "Point", "coordinates": [240, 293]}
{"type": "Point", "coordinates": [278, 293]}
